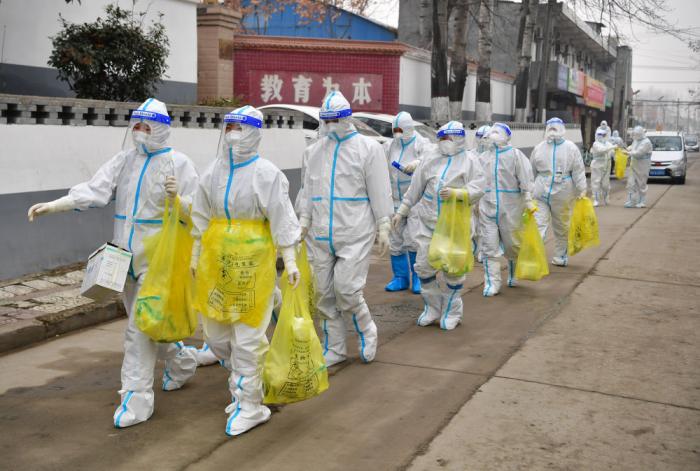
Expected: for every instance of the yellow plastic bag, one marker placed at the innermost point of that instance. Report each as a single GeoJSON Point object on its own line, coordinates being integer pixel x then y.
{"type": "Point", "coordinates": [307, 293]}
{"type": "Point", "coordinates": [164, 305]}
{"type": "Point", "coordinates": [583, 230]}
{"type": "Point", "coordinates": [295, 369]}
{"type": "Point", "coordinates": [532, 257]}
{"type": "Point", "coordinates": [236, 271]}
{"type": "Point", "coordinates": [450, 248]}
{"type": "Point", "coordinates": [620, 163]}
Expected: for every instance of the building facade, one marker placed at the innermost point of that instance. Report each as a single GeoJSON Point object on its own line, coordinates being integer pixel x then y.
{"type": "Point", "coordinates": [28, 25]}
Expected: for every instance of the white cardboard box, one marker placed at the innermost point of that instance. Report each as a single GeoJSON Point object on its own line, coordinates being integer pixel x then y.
{"type": "Point", "coordinates": [106, 272]}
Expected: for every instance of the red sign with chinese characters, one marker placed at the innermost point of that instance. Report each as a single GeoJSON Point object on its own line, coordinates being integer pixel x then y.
{"type": "Point", "coordinates": [363, 91]}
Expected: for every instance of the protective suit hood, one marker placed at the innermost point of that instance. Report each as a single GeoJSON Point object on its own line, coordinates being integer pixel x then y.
{"type": "Point", "coordinates": [555, 130]}
{"type": "Point", "coordinates": [153, 113]}
{"type": "Point", "coordinates": [457, 138]}
{"type": "Point", "coordinates": [500, 134]}
{"type": "Point", "coordinates": [638, 133]}
{"type": "Point", "coordinates": [336, 106]}
{"type": "Point", "coordinates": [247, 145]}
{"type": "Point", "coordinates": [482, 138]}
{"type": "Point", "coordinates": [404, 120]}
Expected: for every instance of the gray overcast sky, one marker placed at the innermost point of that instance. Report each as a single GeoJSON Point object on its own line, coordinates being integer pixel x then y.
{"type": "Point", "coordinates": [658, 58]}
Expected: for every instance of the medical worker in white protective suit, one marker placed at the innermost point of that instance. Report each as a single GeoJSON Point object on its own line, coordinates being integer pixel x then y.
{"type": "Point", "coordinates": [640, 155]}
{"type": "Point", "coordinates": [141, 177]}
{"type": "Point", "coordinates": [241, 185]}
{"type": "Point", "coordinates": [406, 149]}
{"type": "Point", "coordinates": [602, 152]}
{"type": "Point", "coordinates": [348, 197]}
{"type": "Point", "coordinates": [508, 193]}
{"type": "Point", "coordinates": [560, 177]}
{"type": "Point", "coordinates": [616, 139]}
{"type": "Point", "coordinates": [451, 171]}
{"type": "Point", "coordinates": [482, 146]}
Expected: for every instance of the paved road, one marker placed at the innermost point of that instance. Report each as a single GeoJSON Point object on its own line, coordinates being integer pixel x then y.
{"type": "Point", "coordinates": [57, 398]}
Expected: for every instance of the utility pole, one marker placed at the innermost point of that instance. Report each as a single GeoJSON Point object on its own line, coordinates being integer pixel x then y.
{"type": "Point", "coordinates": [678, 113]}
{"type": "Point", "coordinates": [544, 64]}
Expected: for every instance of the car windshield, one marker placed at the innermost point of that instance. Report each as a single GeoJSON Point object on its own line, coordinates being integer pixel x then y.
{"type": "Point", "coordinates": [426, 132]}
{"type": "Point", "coordinates": [381, 127]}
{"type": "Point", "coordinates": [691, 140]}
{"type": "Point", "coordinates": [363, 129]}
{"type": "Point", "coordinates": [666, 143]}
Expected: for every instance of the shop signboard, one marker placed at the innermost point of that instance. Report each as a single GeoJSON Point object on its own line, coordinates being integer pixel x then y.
{"type": "Point", "coordinates": [595, 92]}
{"type": "Point", "coordinates": [576, 82]}
{"type": "Point", "coordinates": [267, 87]}
{"type": "Point", "coordinates": [563, 78]}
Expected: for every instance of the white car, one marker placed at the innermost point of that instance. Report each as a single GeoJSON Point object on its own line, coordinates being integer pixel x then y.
{"type": "Point", "coordinates": [283, 115]}
{"type": "Point", "coordinates": [384, 124]}
{"type": "Point", "coordinates": [668, 159]}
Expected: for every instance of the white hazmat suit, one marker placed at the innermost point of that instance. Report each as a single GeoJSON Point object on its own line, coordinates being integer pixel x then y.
{"type": "Point", "coordinates": [508, 192]}
{"type": "Point", "coordinates": [240, 185]}
{"type": "Point", "coordinates": [560, 176]}
{"type": "Point", "coordinates": [136, 177]}
{"type": "Point", "coordinates": [347, 196]}
{"type": "Point", "coordinates": [482, 145]}
{"type": "Point", "coordinates": [405, 150]}
{"type": "Point", "coordinates": [449, 168]}
{"type": "Point", "coordinates": [602, 152]}
{"type": "Point", "coordinates": [640, 153]}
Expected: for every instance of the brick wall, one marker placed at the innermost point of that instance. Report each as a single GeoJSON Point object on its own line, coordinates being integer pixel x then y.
{"type": "Point", "coordinates": [319, 62]}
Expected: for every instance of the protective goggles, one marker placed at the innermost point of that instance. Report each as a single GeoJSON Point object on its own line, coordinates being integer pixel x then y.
{"type": "Point", "coordinates": [451, 132]}
{"type": "Point", "coordinates": [151, 116]}
{"type": "Point", "coordinates": [242, 119]}
{"type": "Point", "coordinates": [331, 114]}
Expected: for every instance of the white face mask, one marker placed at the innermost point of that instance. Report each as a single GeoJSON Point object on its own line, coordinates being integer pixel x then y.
{"type": "Point", "coordinates": [447, 147]}
{"type": "Point", "coordinates": [553, 134]}
{"type": "Point", "coordinates": [233, 137]}
{"type": "Point", "coordinates": [139, 137]}
{"type": "Point", "coordinates": [499, 139]}
{"type": "Point", "coordinates": [398, 135]}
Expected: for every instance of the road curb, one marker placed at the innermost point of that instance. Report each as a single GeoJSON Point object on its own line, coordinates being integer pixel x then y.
{"type": "Point", "coordinates": [24, 332]}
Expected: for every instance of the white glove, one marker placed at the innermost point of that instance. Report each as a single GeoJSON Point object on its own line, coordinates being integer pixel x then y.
{"type": "Point", "coordinates": [64, 203]}
{"type": "Point", "coordinates": [396, 221]}
{"type": "Point", "coordinates": [582, 195]}
{"type": "Point", "coordinates": [401, 214]}
{"type": "Point", "coordinates": [305, 223]}
{"type": "Point", "coordinates": [531, 206]}
{"type": "Point", "coordinates": [289, 257]}
{"type": "Point", "coordinates": [194, 261]}
{"type": "Point", "coordinates": [171, 186]}
{"type": "Point", "coordinates": [384, 228]}
{"type": "Point", "coordinates": [411, 166]}
{"type": "Point", "coordinates": [446, 193]}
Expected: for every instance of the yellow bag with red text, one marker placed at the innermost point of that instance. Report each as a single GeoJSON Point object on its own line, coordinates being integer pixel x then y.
{"type": "Point", "coordinates": [236, 273]}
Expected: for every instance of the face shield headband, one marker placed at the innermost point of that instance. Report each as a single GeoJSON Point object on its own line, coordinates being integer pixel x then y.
{"type": "Point", "coordinates": [151, 116]}
{"type": "Point", "coordinates": [332, 114]}
{"type": "Point", "coordinates": [242, 119]}
{"type": "Point", "coordinates": [451, 132]}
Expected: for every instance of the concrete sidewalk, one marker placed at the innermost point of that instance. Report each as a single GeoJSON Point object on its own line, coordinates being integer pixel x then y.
{"type": "Point", "coordinates": [40, 306]}
{"type": "Point", "coordinates": [611, 381]}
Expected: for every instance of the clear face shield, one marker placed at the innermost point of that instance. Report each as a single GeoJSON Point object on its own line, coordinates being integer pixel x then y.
{"type": "Point", "coordinates": [148, 131]}
{"type": "Point", "coordinates": [500, 134]}
{"type": "Point", "coordinates": [239, 133]}
{"type": "Point", "coordinates": [337, 122]}
{"type": "Point", "coordinates": [451, 141]}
